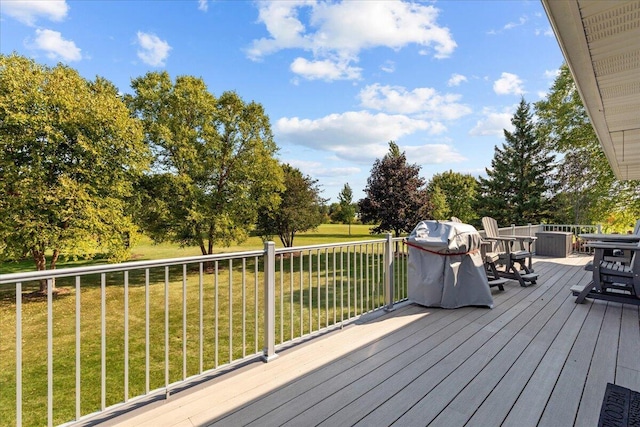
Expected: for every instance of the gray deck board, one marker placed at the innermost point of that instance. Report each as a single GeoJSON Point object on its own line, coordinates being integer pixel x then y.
{"type": "Point", "coordinates": [412, 380]}
{"type": "Point", "coordinates": [628, 364]}
{"type": "Point", "coordinates": [429, 402]}
{"type": "Point", "coordinates": [603, 364]}
{"type": "Point", "coordinates": [503, 397]}
{"type": "Point", "coordinates": [564, 400]}
{"type": "Point", "coordinates": [462, 407]}
{"type": "Point", "coordinates": [536, 358]}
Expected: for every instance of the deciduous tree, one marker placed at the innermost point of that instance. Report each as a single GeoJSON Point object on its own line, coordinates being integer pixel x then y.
{"type": "Point", "coordinates": [347, 209]}
{"type": "Point", "coordinates": [69, 153]}
{"type": "Point", "coordinates": [214, 163]}
{"type": "Point", "coordinates": [438, 199]}
{"type": "Point", "coordinates": [459, 192]}
{"type": "Point", "coordinates": [396, 195]}
{"type": "Point", "coordinates": [588, 191]}
{"type": "Point", "coordinates": [298, 211]}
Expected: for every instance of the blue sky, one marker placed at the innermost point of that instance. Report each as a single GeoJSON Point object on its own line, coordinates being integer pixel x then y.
{"type": "Point", "coordinates": [338, 79]}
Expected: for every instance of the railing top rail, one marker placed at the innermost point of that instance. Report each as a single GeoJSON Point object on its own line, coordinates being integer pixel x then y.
{"type": "Point", "coordinates": [571, 225]}
{"type": "Point", "coordinates": [138, 265]}
{"type": "Point", "coordinates": [125, 266]}
{"type": "Point", "coordinates": [327, 246]}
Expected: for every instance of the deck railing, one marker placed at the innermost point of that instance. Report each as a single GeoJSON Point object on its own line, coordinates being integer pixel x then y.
{"type": "Point", "coordinates": [117, 335]}
{"type": "Point", "coordinates": [578, 244]}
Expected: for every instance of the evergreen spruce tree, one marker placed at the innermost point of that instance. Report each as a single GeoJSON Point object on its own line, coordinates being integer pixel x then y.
{"type": "Point", "coordinates": [517, 188]}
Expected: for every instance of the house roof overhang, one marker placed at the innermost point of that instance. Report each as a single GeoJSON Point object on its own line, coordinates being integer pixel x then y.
{"type": "Point", "coordinates": [600, 41]}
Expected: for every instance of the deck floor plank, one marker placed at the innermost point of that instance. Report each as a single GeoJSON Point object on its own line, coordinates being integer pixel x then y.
{"type": "Point", "coordinates": [461, 406]}
{"type": "Point", "coordinates": [503, 397]}
{"type": "Point", "coordinates": [533, 399]}
{"type": "Point", "coordinates": [565, 399]}
{"type": "Point", "coordinates": [628, 364]}
{"type": "Point", "coordinates": [603, 364]}
{"type": "Point", "coordinates": [383, 349]}
{"type": "Point", "coordinates": [428, 402]}
{"type": "Point", "coordinates": [384, 383]}
{"type": "Point", "coordinates": [536, 358]}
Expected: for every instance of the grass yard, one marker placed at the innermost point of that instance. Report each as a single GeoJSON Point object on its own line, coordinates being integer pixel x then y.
{"type": "Point", "coordinates": [311, 288]}
{"type": "Point", "coordinates": [145, 249]}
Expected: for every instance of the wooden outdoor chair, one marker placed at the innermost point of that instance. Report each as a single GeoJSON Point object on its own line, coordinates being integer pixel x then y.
{"type": "Point", "coordinates": [627, 255]}
{"type": "Point", "coordinates": [489, 259]}
{"type": "Point", "coordinates": [620, 255]}
{"type": "Point", "coordinates": [514, 253]}
{"type": "Point", "coordinates": [611, 280]}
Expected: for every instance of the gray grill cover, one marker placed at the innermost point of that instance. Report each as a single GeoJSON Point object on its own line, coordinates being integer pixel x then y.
{"type": "Point", "coordinates": [436, 278]}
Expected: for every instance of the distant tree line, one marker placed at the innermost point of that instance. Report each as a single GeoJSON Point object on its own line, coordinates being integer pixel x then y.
{"type": "Point", "coordinates": [85, 168]}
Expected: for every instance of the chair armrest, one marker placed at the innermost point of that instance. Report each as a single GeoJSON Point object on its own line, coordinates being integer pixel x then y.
{"type": "Point", "coordinates": [503, 238]}
{"type": "Point", "coordinates": [527, 238]}
{"type": "Point", "coordinates": [505, 242]}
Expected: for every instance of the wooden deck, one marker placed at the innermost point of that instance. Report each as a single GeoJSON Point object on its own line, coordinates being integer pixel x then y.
{"type": "Point", "coordinates": [536, 358]}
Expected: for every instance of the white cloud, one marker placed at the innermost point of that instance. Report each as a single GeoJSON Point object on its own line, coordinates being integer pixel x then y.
{"type": "Point", "coordinates": [431, 154]}
{"type": "Point", "coordinates": [339, 31]}
{"type": "Point", "coordinates": [423, 100]}
{"type": "Point", "coordinates": [551, 74]}
{"type": "Point", "coordinates": [548, 32]}
{"type": "Point", "coordinates": [508, 84]}
{"type": "Point", "coordinates": [493, 123]}
{"type": "Point", "coordinates": [203, 5]}
{"type": "Point", "coordinates": [28, 11]}
{"type": "Point", "coordinates": [55, 46]}
{"type": "Point", "coordinates": [320, 169]}
{"type": "Point", "coordinates": [153, 51]}
{"type": "Point", "coordinates": [456, 79]}
{"type": "Point", "coordinates": [523, 20]}
{"type": "Point", "coordinates": [510, 26]}
{"type": "Point", "coordinates": [355, 135]}
{"type": "Point", "coordinates": [388, 67]}
{"type": "Point", "coordinates": [324, 70]}
{"type": "Point", "coordinates": [286, 30]}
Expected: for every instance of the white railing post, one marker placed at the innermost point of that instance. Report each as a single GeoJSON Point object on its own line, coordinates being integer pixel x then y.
{"type": "Point", "coordinates": [269, 302]}
{"type": "Point", "coordinates": [388, 277]}
{"type": "Point", "coordinates": [19, 354]}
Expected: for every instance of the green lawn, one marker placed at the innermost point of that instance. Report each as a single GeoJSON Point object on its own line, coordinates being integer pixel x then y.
{"type": "Point", "coordinates": [145, 249]}
{"type": "Point", "coordinates": [305, 286]}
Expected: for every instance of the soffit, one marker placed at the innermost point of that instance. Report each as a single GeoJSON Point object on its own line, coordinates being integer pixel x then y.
{"type": "Point", "coordinates": [600, 41]}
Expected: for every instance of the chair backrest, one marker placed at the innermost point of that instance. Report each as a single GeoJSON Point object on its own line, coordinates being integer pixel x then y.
{"type": "Point", "coordinates": [455, 219]}
{"type": "Point", "coordinates": [636, 230]}
{"type": "Point", "coordinates": [490, 226]}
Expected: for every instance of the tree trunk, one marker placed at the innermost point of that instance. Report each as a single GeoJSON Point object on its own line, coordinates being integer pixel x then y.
{"type": "Point", "coordinates": [41, 264]}
{"type": "Point", "coordinates": [54, 259]}
{"type": "Point", "coordinates": [349, 228]}
{"type": "Point", "coordinates": [201, 241]}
